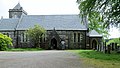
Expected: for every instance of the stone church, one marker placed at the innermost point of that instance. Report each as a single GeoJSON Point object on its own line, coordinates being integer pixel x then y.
{"type": "Point", "coordinates": [67, 28]}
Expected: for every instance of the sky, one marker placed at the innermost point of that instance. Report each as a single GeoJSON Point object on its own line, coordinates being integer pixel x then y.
{"type": "Point", "coordinates": [46, 7]}
{"type": "Point", "coordinates": [40, 7]}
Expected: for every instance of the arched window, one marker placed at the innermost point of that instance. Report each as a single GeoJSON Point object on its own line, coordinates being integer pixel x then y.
{"type": "Point", "coordinates": [74, 37]}
{"type": "Point", "coordinates": [78, 37]}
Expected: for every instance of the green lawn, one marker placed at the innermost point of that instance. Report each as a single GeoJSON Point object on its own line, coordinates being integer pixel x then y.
{"type": "Point", "coordinates": [25, 49]}
{"type": "Point", "coordinates": [99, 59]}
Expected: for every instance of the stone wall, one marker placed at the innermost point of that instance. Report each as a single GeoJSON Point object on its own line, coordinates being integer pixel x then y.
{"type": "Point", "coordinates": [71, 41]}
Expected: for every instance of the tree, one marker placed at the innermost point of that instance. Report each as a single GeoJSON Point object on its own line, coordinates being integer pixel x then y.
{"type": "Point", "coordinates": [35, 34]}
{"type": "Point", "coordinates": [115, 40]}
{"type": "Point", "coordinates": [96, 23]}
{"type": "Point", "coordinates": [5, 41]}
{"type": "Point", "coordinates": [108, 11]}
{"type": "Point", "coordinates": [101, 14]}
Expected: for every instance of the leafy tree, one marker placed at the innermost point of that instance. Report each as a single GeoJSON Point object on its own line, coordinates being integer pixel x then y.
{"type": "Point", "coordinates": [96, 23]}
{"type": "Point", "coordinates": [101, 14]}
{"type": "Point", "coordinates": [115, 40]}
{"type": "Point", "coordinates": [35, 34]}
{"type": "Point", "coordinates": [108, 10]}
{"type": "Point", "coordinates": [4, 42]}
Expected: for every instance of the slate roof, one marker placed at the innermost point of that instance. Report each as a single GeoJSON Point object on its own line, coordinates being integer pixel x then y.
{"type": "Point", "coordinates": [94, 33]}
{"type": "Point", "coordinates": [18, 6]}
{"type": "Point", "coordinates": [8, 24]}
{"type": "Point", "coordinates": [49, 22]}
{"type": "Point", "coordinates": [59, 22]}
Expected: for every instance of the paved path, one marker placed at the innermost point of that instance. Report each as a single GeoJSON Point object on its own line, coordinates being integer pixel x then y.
{"type": "Point", "coordinates": [40, 59]}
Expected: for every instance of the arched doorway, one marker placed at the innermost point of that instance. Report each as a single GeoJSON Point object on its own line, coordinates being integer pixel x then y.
{"type": "Point", "coordinates": [53, 43]}
{"type": "Point", "coordinates": [94, 44]}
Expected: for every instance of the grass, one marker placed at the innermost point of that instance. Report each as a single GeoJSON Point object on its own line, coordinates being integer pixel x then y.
{"type": "Point", "coordinates": [99, 59]}
{"type": "Point", "coordinates": [100, 55]}
{"type": "Point", "coordinates": [25, 49]}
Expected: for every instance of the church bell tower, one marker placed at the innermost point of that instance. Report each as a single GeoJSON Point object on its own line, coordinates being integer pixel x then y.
{"type": "Point", "coordinates": [17, 12]}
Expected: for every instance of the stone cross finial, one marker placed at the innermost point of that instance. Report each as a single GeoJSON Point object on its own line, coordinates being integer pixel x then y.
{"type": "Point", "coordinates": [1, 17]}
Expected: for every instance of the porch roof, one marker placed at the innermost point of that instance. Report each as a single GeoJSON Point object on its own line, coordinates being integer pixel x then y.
{"type": "Point", "coordinates": [94, 33]}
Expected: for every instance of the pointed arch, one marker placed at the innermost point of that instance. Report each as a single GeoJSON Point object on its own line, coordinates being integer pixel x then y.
{"type": "Point", "coordinates": [53, 43]}
{"type": "Point", "coordinates": [94, 43]}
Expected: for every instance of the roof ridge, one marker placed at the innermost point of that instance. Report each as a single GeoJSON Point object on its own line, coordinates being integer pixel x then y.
{"type": "Point", "coordinates": [56, 15]}
{"type": "Point", "coordinates": [18, 22]}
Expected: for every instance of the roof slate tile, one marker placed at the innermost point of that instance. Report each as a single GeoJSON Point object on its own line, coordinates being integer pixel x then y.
{"type": "Point", "coordinates": [59, 22]}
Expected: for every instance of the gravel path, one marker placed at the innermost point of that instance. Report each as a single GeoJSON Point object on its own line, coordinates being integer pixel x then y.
{"type": "Point", "coordinates": [40, 59]}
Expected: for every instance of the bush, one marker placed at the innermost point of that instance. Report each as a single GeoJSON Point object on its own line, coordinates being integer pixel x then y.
{"type": "Point", "coordinates": [5, 41]}
{"type": "Point", "coordinates": [35, 34]}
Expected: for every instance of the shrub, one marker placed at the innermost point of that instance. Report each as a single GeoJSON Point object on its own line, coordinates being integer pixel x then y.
{"type": "Point", "coordinates": [35, 34]}
{"type": "Point", "coordinates": [4, 42]}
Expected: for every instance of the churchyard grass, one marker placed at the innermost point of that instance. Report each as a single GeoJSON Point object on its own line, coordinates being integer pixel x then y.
{"type": "Point", "coordinates": [99, 59]}
{"type": "Point", "coordinates": [25, 49]}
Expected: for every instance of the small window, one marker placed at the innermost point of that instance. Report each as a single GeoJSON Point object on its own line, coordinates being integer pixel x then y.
{"type": "Point", "coordinates": [44, 37]}
{"type": "Point", "coordinates": [26, 37]}
{"type": "Point", "coordinates": [74, 37]}
{"type": "Point", "coordinates": [78, 37]}
{"type": "Point", "coordinates": [40, 40]}
{"type": "Point", "coordinates": [23, 37]}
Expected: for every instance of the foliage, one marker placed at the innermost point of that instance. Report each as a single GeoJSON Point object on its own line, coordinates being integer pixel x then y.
{"type": "Point", "coordinates": [108, 10]}
{"type": "Point", "coordinates": [97, 13]}
{"type": "Point", "coordinates": [115, 40]}
{"type": "Point", "coordinates": [95, 23]}
{"type": "Point", "coordinates": [25, 49]}
{"type": "Point", "coordinates": [4, 42]}
{"type": "Point", "coordinates": [35, 34]}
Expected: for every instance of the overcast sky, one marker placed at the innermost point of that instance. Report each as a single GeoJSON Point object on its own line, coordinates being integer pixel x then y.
{"type": "Point", "coordinates": [40, 7]}
{"type": "Point", "coordinates": [46, 7]}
